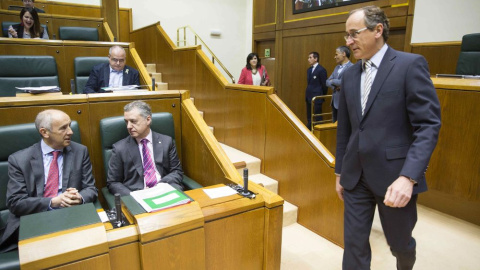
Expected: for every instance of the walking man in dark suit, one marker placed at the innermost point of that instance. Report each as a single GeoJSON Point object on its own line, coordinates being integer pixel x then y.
{"type": "Point", "coordinates": [112, 74]}
{"type": "Point", "coordinates": [316, 77]}
{"type": "Point", "coordinates": [388, 125]}
{"type": "Point", "coordinates": [145, 158]}
{"type": "Point", "coordinates": [342, 55]}
{"type": "Point", "coordinates": [50, 174]}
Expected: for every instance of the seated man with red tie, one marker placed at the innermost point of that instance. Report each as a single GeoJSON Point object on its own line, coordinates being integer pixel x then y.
{"type": "Point", "coordinates": [51, 174]}
{"type": "Point", "coordinates": [144, 158]}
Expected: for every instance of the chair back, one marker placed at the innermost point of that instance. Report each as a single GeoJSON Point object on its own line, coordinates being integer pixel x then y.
{"type": "Point", "coordinates": [78, 33]}
{"type": "Point", "coordinates": [469, 59]}
{"type": "Point", "coordinates": [26, 71]}
{"type": "Point", "coordinates": [83, 66]}
{"type": "Point", "coordinates": [113, 129]}
{"type": "Point", "coordinates": [15, 138]}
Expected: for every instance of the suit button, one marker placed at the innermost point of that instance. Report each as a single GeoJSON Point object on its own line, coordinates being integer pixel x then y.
{"type": "Point", "coordinates": [361, 128]}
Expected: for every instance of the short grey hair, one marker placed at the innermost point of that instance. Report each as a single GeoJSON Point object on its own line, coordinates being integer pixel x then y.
{"type": "Point", "coordinates": [116, 47]}
{"type": "Point", "coordinates": [373, 16]}
{"type": "Point", "coordinates": [345, 50]}
{"type": "Point", "coordinates": [144, 109]}
{"type": "Point", "coordinates": [44, 120]}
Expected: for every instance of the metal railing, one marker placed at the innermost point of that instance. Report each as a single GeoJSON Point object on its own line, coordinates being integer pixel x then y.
{"type": "Point", "coordinates": [197, 38]}
{"type": "Point", "coordinates": [314, 116]}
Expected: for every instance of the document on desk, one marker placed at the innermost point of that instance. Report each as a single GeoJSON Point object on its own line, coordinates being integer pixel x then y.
{"type": "Point", "coordinates": [40, 89]}
{"type": "Point", "coordinates": [214, 193]}
{"type": "Point", "coordinates": [162, 196]}
{"type": "Point", "coordinates": [120, 88]}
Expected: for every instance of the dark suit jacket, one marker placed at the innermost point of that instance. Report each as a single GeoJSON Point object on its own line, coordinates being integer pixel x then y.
{"type": "Point", "coordinates": [399, 129]}
{"type": "Point", "coordinates": [334, 81]}
{"type": "Point", "coordinates": [100, 77]}
{"type": "Point", "coordinates": [316, 82]}
{"type": "Point", "coordinates": [27, 180]}
{"type": "Point", "coordinates": [125, 171]}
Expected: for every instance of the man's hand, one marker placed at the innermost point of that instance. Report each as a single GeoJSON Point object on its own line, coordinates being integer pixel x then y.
{"type": "Point", "coordinates": [399, 192]}
{"type": "Point", "coordinates": [69, 198]}
{"type": "Point", "coordinates": [338, 187]}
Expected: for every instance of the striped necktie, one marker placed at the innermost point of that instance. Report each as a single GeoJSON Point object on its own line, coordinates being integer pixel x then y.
{"type": "Point", "coordinates": [148, 169]}
{"type": "Point", "coordinates": [367, 84]}
{"type": "Point", "coordinates": [51, 188]}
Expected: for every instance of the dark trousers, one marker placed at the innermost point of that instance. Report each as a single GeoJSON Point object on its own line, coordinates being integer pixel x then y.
{"type": "Point", "coordinates": [318, 110]}
{"type": "Point", "coordinates": [397, 224]}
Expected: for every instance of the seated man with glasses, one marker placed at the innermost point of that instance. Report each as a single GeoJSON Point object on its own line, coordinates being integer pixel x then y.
{"type": "Point", "coordinates": [113, 74]}
{"type": "Point", "coordinates": [31, 4]}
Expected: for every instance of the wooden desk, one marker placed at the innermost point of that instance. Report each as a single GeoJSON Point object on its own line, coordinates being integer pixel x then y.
{"type": "Point", "coordinates": [76, 240]}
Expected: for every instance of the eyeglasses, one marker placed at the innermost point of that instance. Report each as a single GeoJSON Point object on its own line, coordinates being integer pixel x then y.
{"type": "Point", "coordinates": [354, 34]}
{"type": "Point", "coordinates": [115, 60]}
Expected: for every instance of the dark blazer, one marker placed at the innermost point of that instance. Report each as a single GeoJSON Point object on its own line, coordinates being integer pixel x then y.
{"type": "Point", "coordinates": [316, 83]}
{"type": "Point", "coordinates": [20, 30]}
{"type": "Point", "coordinates": [125, 170]}
{"type": "Point", "coordinates": [27, 180]}
{"type": "Point", "coordinates": [100, 77]}
{"type": "Point", "coordinates": [334, 81]}
{"type": "Point", "coordinates": [399, 129]}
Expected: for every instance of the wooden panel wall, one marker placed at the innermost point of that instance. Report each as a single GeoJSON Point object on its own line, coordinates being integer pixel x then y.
{"type": "Point", "coordinates": [442, 58]}
{"type": "Point", "coordinates": [59, 8]}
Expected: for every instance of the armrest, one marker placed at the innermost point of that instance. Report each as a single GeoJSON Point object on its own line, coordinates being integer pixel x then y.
{"type": "Point", "coordinates": [189, 183]}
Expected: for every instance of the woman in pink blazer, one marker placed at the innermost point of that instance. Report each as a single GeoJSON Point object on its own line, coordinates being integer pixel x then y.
{"type": "Point", "coordinates": [254, 73]}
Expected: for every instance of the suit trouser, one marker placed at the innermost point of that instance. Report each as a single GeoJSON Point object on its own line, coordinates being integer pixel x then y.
{"type": "Point", "coordinates": [318, 110]}
{"type": "Point", "coordinates": [397, 224]}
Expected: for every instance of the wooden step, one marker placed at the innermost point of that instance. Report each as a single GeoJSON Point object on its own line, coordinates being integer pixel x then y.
{"type": "Point", "coordinates": [160, 86]}
{"type": "Point", "coordinates": [156, 76]}
{"type": "Point", "coordinates": [151, 68]}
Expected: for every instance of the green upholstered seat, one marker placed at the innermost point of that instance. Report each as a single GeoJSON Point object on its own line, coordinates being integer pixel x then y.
{"type": "Point", "coordinates": [469, 59]}
{"type": "Point", "coordinates": [78, 33]}
{"type": "Point", "coordinates": [83, 66]}
{"type": "Point", "coordinates": [5, 26]}
{"type": "Point", "coordinates": [16, 138]}
{"type": "Point", "coordinates": [25, 71]}
{"type": "Point", "coordinates": [113, 129]}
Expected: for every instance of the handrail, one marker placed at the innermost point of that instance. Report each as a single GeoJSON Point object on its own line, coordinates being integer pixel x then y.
{"type": "Point", "coordinates": [320, 114]}
{"type": "Point", "coordinates": [197, 37]}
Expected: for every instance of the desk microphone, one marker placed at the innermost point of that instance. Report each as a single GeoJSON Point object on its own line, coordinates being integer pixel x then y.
{"type": "Point", "coordinates": [118, 210]}
{"type": "Point", "coordinates": [245, 182]}
{"type": "Point", "coordinates": [153, 84]}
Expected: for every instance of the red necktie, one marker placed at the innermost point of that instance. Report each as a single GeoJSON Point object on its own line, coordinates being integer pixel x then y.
{"type": "Point", "coordinates": [51, 188]}
{"type": "Point", "coordinates": [148, 169]}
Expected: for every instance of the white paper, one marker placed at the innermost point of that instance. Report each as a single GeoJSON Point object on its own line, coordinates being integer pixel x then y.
{"type": "Point", "coordinates": [214, 193]}
{"type": "Point", "coordinates": [103, 216]}
{"type": "Point", "coordinates": [40, 89]}
{"type": "Point", "coordinates": [121, 88]}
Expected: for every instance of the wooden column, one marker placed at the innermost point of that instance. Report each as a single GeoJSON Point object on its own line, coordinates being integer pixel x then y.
{"type": "Point", "coordinates": [110, 11]}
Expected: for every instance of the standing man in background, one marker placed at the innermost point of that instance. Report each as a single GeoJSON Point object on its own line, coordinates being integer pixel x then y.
{"type": "Point", "coordinates": [316, 86]}
{"type": "Point", "coordinates": [388, 125]}
{"type": "Point", "coordinates": [342, 55]}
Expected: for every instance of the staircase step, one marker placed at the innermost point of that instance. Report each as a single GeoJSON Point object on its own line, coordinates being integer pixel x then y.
{"type": "Point", "coordinates": [161, 86]}
{"type": "Point", "coordinates": [211, 129]}
{"type": "Point", "coordinates": [151, 68]}
{"type": "Point", "coordinates": [201, 113]}
{"type": "Point", "coordinates": [156, 76]}
{"type": "Point", "coordinates": [290, 213]}
{"type": "Point", "coordinates": [253, 163]}
{"type": "Point", "coordinates": [267, 182]}
{"type": "Point", "coordinates": [192, 99]}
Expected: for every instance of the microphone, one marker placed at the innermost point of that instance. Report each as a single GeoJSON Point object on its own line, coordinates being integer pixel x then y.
{"type": "Point", "coordinates": [153, 84]}
{"type": "Point", "coordinates": [118, 210]}
{"type": "Point", "coordinates": [245, 182]}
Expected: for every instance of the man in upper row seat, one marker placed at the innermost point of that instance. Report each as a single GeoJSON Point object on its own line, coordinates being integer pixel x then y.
{"type": "Point", "coordinates": [144, 158]}
{"type": "Point", "coordinates": [31, 4]}
{"type": "Point", "coordinates": [112, 74]}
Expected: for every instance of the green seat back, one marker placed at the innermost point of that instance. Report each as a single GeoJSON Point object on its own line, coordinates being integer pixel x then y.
{"type": "Point", "coordinates": [26, 71]}
{"type": "Point", "coordinates": [78, 33]}
{"type": "Point", "coordinates": [16, 138]}
{"type": "Point", "coordinates": [469, 59]}
{"type": "Point", "coordinates": [83, 66]}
